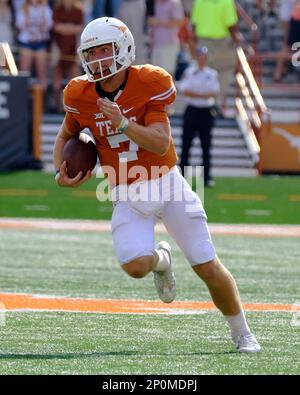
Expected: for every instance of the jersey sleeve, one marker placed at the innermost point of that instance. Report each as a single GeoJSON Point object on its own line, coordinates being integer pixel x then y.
{"type": "Point", "coordinates": [72, 112]}
{"type": "Point", "coordinates": [161, 92]}
{"type": "Point", "coordinates": [161, 87]}
{"type": "Point", "coordinates": [72, 124]}
{"type": "Point", "coordinates": [155, 112]}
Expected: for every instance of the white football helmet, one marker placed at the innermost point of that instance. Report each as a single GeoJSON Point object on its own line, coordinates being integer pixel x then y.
{"type": "Point", "coordinates": [102, 31]}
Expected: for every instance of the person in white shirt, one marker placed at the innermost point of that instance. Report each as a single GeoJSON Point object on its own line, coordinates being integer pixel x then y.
{"type": "Point", "coordinates": [6, 31]}
{"type": "Point", "coordinates": [200, 86]}
{"type": "Point", "coordinates": [133, 14]}
{"type": "Point", "coordinates": [34, 22]}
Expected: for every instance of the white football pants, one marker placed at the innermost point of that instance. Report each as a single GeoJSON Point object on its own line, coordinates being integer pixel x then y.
{"type": "Point", "coordinates": [174, 203]}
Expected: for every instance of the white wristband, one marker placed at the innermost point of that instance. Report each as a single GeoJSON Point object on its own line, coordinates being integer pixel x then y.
{"type": "Point", "coordinates": [123, 125]}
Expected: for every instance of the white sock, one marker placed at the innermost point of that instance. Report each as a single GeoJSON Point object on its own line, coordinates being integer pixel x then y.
{"type": "Point", "coordinates": [238, 324]}
{"type": "Point", "coordinates": [163, 261]}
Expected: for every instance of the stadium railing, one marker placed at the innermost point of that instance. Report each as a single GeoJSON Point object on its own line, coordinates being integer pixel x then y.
{"type": "Point", "coordinates": [250, 24]}
{"type": "Point", "coordinates": [7, 61]}
{"type": "Point", "coordinates": [253, 115]}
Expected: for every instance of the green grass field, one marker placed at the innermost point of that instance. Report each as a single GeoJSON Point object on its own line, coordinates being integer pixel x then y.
{"type": "Point", "coordinates": [83, 265]}
{"type": "Point", "coordinates": [80, 264]}
{"type": "Point", "coordinates": [265, 200]}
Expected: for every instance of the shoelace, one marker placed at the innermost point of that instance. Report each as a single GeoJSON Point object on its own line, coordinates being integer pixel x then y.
{"type": "Point", "coordinates": [171, 278]}
{"type": "Point", "coordinates": [249, 338]}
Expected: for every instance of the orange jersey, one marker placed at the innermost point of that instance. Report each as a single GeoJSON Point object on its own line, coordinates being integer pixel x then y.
{"type": "Point", "coordinates": [147, 91]}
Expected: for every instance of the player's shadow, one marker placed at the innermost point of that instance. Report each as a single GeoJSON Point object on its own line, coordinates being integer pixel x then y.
{"type": "Point", "coordinates": [105, 354]}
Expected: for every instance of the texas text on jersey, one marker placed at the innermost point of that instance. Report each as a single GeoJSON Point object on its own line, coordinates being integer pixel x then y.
{"type": "Point", "coordinates": [147, 91]}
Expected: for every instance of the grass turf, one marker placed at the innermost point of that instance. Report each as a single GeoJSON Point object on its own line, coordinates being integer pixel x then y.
{"type": "Point", "coordinates": [83, 265]}
{"type": "Point", "coordinates": [262, 200]}
{"type": "Point", "coordinates": [65, 343]}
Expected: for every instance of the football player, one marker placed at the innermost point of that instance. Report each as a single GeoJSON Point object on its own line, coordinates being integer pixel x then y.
{"type": "Point", "coordinates": [124, 106]}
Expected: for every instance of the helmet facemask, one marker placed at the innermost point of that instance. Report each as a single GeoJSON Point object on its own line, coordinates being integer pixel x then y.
{"type": "Point", "coordinates": [95, 69]}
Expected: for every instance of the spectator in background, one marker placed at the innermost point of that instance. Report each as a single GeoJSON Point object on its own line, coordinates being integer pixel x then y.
{"type": "Point", "coordinates": [200, 86]}
{"type": "Point", "coordinates": [68, 23]}
{"type": "Point", "coordinates": [264, 5]}
{"type": "Point", "coordinates": [133, 14]}
{"type": "Point", "coordinates": [34, 21]}
{"type": "Point", "coordinates": [106, 7]}
{"type": "Point", "coordinates": [149, 8]}
{"type": "Point", "coordinates": [17, 4]}
{"type": "Point", "coordinates": [187, 6]}
{"type": "Point", "coordinates": [294, 28]}
{"type": "Point", "coordinates": [215, 27]}
{"type": "Point", "coordinates": [6, 30]}
{"type": "Point", "coordinates": [285, 15]}
{"type": "Point", "coordinates": [87, 11]}
{"type": "Point", "coordinates": [164, 27]}
{"type": "Point", "coordinates": [185, 36]}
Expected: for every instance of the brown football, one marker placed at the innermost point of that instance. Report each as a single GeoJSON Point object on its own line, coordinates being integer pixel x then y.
{"type": "Point", "coordinates": [80, 154]}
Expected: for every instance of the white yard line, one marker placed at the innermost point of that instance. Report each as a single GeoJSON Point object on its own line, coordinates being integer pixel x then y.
{"type": "Point", "coordinates": [104, 226]}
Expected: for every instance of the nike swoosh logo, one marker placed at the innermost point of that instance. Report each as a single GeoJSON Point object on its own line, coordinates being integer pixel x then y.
{"type": "Point", "coordinates": [128, 109]}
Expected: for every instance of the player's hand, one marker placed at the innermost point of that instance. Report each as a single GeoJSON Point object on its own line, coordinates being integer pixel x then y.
{"type": "Point", "coordinates": [65, 181]}
{"type": "Point", "coordinates": [111, 110]}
